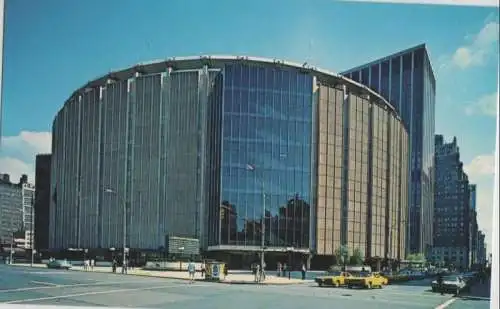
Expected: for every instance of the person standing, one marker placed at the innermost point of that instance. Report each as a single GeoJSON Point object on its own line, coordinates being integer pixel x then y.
{"type": "Point", "coordinates": [278, 269]}
{"type": "Point", "coordinates": [92, 263]}
{"type": "Point", "coordinates": [191, 270]}
{"type": "Point", "coordinates": [304, 270]}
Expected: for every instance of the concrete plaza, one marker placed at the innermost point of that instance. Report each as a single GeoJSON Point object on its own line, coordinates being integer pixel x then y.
{"type": "Point", "coordinates": [41, 286]}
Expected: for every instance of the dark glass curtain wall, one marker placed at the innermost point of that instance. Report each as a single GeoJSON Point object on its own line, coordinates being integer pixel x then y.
{"type": "Point", "coordinates": [267, 124]}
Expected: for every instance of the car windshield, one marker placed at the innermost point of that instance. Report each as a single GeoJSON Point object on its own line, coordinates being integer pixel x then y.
{"type": "Point", "coordinates": [335, 273]}
{"type": "Point", "coordinates": [363, 274]}
{"type": "Point", "coordinates": [450, 278]}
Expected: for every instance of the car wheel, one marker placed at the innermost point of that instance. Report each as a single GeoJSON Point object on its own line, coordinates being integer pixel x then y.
{"type": "Point", "coordinates": [369, 285]}
{"type": "Point", "coordinates": [349, 286]}
{"type": "Point", "coordinates": [337, 284]}
{"type": "Point", "coordinates": [433, 290]}
{"type": "Point", "coordinates": [320, 284]}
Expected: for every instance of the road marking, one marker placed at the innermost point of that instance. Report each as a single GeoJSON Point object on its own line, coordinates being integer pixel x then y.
{"type": "Point", "coordinates": [446, 303]}
{"type": "Point", "coordinates": [95, 293]}
{"type": "Point", "coordinates": [67, 286]}
{"type": "Point", "coordinates": [45, 283]}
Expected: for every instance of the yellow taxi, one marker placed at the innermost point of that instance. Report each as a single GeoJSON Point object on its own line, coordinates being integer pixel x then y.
{"type": "Point", "coordinates": [333, 278]}
{"type": "Point", "coordinates": [365, 280]}
{"type": "Point", "coordinates": [385, 280]}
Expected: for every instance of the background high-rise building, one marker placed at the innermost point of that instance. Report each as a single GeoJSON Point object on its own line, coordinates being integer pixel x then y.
{"type": "Point", "coordinates": [482, 257]}
{"type": "Point", "coordinates": [406, 80]}
{"type": "Point", "coordinates": [16, 214]}
{"type": "Point", "coordinates": [452, 207]}
{"type": "Point", "coordinates": [208, 147]}
{"type": "Point", "coordinates": [42, 201]}
{"type": "Point", "coordinates": [474, 228]}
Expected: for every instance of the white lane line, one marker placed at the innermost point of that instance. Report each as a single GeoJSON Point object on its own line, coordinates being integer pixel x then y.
{"type": "Point", "coordinates": [95, 293]}
{"type": "Point", "coordinates": [68, 286]}
{"type": "Point", "coordinates": [446, 303]}
{"type": "Point", "coordinates": [45, 283]}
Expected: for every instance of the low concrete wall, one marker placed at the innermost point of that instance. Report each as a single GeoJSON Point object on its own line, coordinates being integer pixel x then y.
{"type": "Point", "coordinates": [180, 266]}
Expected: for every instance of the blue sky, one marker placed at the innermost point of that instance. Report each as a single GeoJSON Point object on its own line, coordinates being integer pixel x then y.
{"type": "Point", "coordinates": [53, 47]}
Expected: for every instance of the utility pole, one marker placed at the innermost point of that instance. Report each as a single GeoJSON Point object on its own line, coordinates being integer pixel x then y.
{"type": "Point", "coordinates": [32, 230]}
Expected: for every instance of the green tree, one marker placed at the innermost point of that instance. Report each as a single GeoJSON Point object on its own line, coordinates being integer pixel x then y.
{"type": "Point", "coordinates": [416, 257]}
{"type": "Point", "coordinates": [341, 255]}
{"type": "Point", "coordinates": [356, 258]}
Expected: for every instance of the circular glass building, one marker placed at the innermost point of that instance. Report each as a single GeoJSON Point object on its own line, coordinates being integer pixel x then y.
{"type": "Point", "coordinates": [229, 150]}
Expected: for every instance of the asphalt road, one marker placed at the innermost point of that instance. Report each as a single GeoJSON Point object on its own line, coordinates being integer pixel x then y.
{"type": "Point", "coordinates": [24, 285]}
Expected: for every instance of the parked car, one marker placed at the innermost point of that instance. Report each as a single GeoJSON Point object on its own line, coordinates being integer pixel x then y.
{"type": "Point", "coordinates": [333, 278]}
{"type": "Point", "coordinates": [55, 264]}
{"type": "Point", "coordinates": [365, 280]}
{"type": "Point", "coordinates": [451, 284]}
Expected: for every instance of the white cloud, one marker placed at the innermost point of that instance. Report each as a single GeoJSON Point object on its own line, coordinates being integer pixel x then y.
{"type": "Point", "coordinates": [476, 50]}
{"type": "Point", "coordinates": [18, 153]}
{"type": "Point", "coordinates": [481, 165]}
{"type": "Point", "coordinates": [481, 46]}
{"type": "Point", "coordinates": [480, 171]}
{"type": "Point", "coordinates": [485, 105]}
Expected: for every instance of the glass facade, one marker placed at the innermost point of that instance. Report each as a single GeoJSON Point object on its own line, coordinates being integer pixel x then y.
{"type": "Point", "coordinates": [267, 124]}
{"type": "Point", "coordinates": [407, 81]}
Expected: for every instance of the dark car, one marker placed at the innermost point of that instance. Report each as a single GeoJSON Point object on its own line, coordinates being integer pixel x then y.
{"type": "Point", "coordinates": [451, 284]}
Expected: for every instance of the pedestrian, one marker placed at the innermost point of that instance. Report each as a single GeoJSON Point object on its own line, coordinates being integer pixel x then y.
{"type": "Point", "coordinates": [278, 269]}
{"type": "Point", "coordinates": [203, 269]}
{"type": "Point", "coordinates": [226, 271]}
{"type": "Point", "coordinates": [191, 270]}
{"type": "Point", "coordinates": [113, 266]}
{"type": "Point", "coordinates": [304, 269]}
{"type": "Point", "coordinates": [257, 272]}
{"type": "Point", "coordinates": [440, 283]}
{"type": "Point", "coordinates": [86, 264]}
{"type": "Point", "coordinates": [92, 263]}
{"type": "Point", "coordinates": [284, 269]}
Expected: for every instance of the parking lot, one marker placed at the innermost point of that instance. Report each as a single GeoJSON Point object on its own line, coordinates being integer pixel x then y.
{"type": "Point", "coordinates": [31, 286]}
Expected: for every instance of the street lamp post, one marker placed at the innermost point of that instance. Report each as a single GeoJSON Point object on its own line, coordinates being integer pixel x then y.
{"type": "Point", "coordinates": [124, 225]}
{"type": "Point", "coordinates": [251, 167]}
{"type": "Point", "coordinates": [32, 231]}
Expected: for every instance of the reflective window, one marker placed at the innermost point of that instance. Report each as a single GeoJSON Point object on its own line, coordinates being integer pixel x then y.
{"type": "Point", "coordinates": [267, 124]}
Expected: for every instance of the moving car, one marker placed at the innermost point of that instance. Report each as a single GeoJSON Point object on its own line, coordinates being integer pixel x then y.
{"type": "Point", "coordinates": [365, 280]}
{"type": "Point", "coordinates": [55, 264]}
{"type": "Point", "coordinates": [451, 284]}
{"type": "Point", "coordinates": [334, 278]}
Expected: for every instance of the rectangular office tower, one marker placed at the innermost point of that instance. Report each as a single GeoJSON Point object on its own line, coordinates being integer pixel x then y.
{"type": "Point", "coordinates": [407, 81]}
{"type": "Point", "coordinates": [452, 207]}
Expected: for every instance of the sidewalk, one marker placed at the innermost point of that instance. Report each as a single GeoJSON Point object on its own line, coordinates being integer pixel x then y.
{"type": "Point", "coordinates": [478, 291]}
{"type": "Point", "coordinates": [236, 277]}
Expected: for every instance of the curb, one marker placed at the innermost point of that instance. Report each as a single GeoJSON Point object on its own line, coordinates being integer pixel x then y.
{"type": "Point", "coordinates": [174, 278]}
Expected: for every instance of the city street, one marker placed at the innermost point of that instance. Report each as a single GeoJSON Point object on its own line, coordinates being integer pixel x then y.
{"type": "Point", "coordinates": [38, 286]}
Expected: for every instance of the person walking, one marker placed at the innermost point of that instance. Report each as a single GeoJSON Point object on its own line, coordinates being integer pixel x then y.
{"type": "Point", "coordinates": [440, 283]}
{"type": "Point", "coordinates": [191, 270]}
{"type": "Point", "coordinates": [92, 263]}
{"type": "Point", "coordinates": [278, 269]}
{"type": "Point", "coordinates": [226, 270]}
{"type": "Point", "coordinates": [304, 270]}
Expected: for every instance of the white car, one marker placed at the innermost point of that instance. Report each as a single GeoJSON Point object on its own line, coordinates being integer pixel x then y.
{"type": "Point", "coordinates": [454, 284]}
